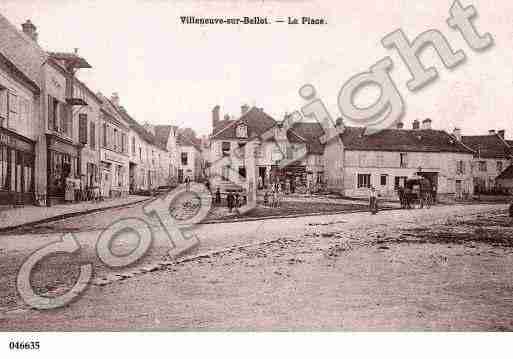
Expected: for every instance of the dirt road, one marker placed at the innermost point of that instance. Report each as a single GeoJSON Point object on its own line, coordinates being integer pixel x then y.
{"type": "Point", "coordinates": [444, 268]}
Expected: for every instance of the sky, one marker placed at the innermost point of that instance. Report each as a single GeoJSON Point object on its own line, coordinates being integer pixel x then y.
{"type": "Point", "coordinates": [169, 73]}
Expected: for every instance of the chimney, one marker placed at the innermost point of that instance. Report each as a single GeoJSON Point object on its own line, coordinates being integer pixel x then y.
{"type": "Point", "coordinates": [501, 133]}
{"type": "Point", "coordinates": [339, 123]}
{"type": "Point", "coordinates": [416, 125]}
{"type": "Point", "coordinates": [426, 124]}
{"type": "Point", "coordinates": [491, 132]}
{"type": "Point", "coordinates": [215, 116]}
{"type": "Point", "coordinates": [115, 99]}
{"type": "Point", "coordinates": [244, 109]}
{"type": "Point", "coordinates": [400, 125]}
{"type": "Point", "coordinates": [30, 30]}
{"type": "Point", "coordinates": [457, 133]}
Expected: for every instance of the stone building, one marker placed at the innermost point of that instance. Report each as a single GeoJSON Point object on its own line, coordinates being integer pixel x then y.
{"type": "Point", "coordinates": [492, 155]}
{"type": "Point", "coordinates": [21, 62]}
{"type": "Point", "coordinates": [385, 159]}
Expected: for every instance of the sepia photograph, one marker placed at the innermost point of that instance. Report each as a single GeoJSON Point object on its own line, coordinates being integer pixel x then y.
{"type": "Point", "coordinates": [298, 166]}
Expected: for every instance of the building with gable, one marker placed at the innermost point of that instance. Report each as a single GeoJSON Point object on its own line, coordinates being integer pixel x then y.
{"type": "Point", "coordinates": [492, 155]}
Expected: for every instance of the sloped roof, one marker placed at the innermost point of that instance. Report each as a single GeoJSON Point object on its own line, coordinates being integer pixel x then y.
{"type": "Point", "coordinates": [140, 130]}
{"type": "Point", "coordinates": [162, 133]}
{"type": "Point", "coordinates": [489, 146]}
{"type": "Point", "coordinates": [78, 61]}
{"type": "Point", "coordinates": [309, 131]}
{"type": "Point", "coordinates": [257, 121]}
{"type": "Point", "coordinates": [183, 140]}
{"type": "Point", "coordinates": [507, 173]}
{"type": "Point", "coordinates": [401, 140]}
{"type": "Point", "coordinates": [510, 143]}
{"type": "Point", "coordinates": [21, 51]}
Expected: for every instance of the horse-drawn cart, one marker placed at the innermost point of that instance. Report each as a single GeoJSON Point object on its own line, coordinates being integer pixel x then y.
{"type": "Point", "coordinates": [417, 190]}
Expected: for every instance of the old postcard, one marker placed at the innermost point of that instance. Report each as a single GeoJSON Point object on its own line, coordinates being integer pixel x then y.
{"type": "Point", "coordinates": [230, 165]}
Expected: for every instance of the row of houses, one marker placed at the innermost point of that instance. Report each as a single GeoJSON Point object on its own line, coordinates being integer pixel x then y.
{"type": "Point", "coordinates": [457, 165]}
{"type": "Point", "coordinates": [55, 132]}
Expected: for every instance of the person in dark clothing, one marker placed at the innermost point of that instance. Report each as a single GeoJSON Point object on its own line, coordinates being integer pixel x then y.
{"type": "Point", "coordinates": [207, 184]}
{"type": "Point", "coordinates": [218, 196]}
{"type": "Point", "coordinates": [230, 199]}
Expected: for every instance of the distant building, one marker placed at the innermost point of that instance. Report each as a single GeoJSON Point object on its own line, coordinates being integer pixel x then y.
{"type": "Point", "coordinates": [492, 155]}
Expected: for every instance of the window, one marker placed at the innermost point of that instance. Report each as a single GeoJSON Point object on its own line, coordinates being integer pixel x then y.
{"type": "Point", "coordinates": [364, 180]}
{"type": "Point", "coordinates": [403, 160]}
{"type": "Point", "coordinates": [225, 149]}
{"type": "Point", "coordinates": [482, 166]}
{"type": "Point", "coordinates": [140, 153]}
{"type": "Point", "coordinates": [3, 103]}
{"type": "Point", "coordinates": [92, 132]}
{"type": "Point", "coordinates": [64, 125]}
{"type": "Point", "coordinates": [460, 167]}
{"type": "Point", "coordinates": [13, 108]}
{"type": "Point", "coordinates": [226, 173]}
{"type": "Point", "coordinates": [242, 171]}
{"type": "Point", "coordinates": [124, 146]}
{"type": "Point", "coordinates": [499, 166]}
{"type": "Point", "coordinates": [383, 180]}
{"type": "Point", "coordinates": [184, 159]}
{"type": "Point", "coordinates": [53, 111]}
{"type": "Point", "coordinates": [399, 181]}
{"type": "Point", "coordinates": [104, 135]}
{"type": "Point", "coordinates": [133, 146]}
{"type": "Point", "coordinates": [242, 131]}
{"type": "Point", "coordinates": [82, 128]}
{"type": "Point", "coordinates": [115, 147]}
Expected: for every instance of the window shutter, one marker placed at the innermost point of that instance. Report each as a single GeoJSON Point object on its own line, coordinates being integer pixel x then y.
{"type": "Point", "coordinates": [3, 103]}
{"type": "Point", "coordinates": [51, 115]}
{"type": "Point", "coordinates": [82, 128]}
{"type": "Point", "coordinates": [93, 136]}
{"type": "Point", "coordinates": [13, 107]}
{"type": "Point", "coordinates": [64, 123]}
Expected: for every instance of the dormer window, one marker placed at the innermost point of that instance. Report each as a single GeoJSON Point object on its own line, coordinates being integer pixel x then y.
{"type": "Point", "coordinates": [242, 131]}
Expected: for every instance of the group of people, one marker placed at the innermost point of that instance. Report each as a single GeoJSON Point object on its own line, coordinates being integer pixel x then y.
{"type": "Point", "coordinates": [274, 198]}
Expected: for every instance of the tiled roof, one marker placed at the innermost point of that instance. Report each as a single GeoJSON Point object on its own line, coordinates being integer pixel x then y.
{"type": "Point", "coordinates": [162, 133]}
{"type": "Point", "coordinates": [78, 61]}
{"type": "Point", "coordinates": [21, 51]}
{"type": "Point", "coordinates": [309, 131]}
{"type": "Point", "coordinates": [510, 143]}
{"type": "Point", "coordinates": [257, 121]}
{"type": "Point", "coordinates": [140, 130]}
{"type": "Point", "coordinates": [401, 140]}
{"type": "Point", "coordinates": [221, 125]}
{"type": "Point", "coordinates": [184, 140]}
{"type": "Point", "coordinates": [507, 173]}
{"type": "Point", "coordinates": [489, 146]}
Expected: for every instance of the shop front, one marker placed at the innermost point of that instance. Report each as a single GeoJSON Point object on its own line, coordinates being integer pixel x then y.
{"type": "Point", "coordinates": [63, 164]}
{"type": "Point", "coordinates": [17, 155]}
{"type": "Point", "coordinates": [114, 174]}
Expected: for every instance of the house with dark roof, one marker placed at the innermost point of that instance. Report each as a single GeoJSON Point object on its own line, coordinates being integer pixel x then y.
{"type": "Point", "coordinates": [230, 136]}
{"type": "Point", "coordinates": [149, 161]}
{"type": "Point", "coordinates": [386, 158]}
{"type": "Point", "coordinates": [191, 161]}
{"type": "Point", "coordinates": [505, 179]}
{"type": "Point", "coordinates": [492, 155]}
{"type": "Point", "coordinates": [20, 90]}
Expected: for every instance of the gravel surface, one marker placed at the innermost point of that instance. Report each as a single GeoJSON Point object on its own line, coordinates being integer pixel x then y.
{"type": "Point", "coordinates": [446, 268]}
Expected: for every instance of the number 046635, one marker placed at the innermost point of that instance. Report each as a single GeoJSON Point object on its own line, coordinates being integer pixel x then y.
{"type": "Point", "coordinates": [14, 345]}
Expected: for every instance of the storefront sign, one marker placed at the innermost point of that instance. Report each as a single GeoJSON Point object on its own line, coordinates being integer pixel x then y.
{"type": "Point", "coordinates": [112, 157]}
{"type": "Point", "coordinates": [13, 142]}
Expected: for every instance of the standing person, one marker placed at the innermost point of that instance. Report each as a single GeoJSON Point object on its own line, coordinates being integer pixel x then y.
{"type": "Point", "coordinates": [218, 196]}
{"type": "Point", "coordinates": [187, 183]}
{"type": "Point", "coordinates": [373, 200]}
{"type": "Point", "coordinates": [400, 193]}
{"type": "Point", "coordinates": [229, 199]}
{"type": "Point", "coordinates": [207, 184]}
{"type": "Point", "coordinates": [279, 192]}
